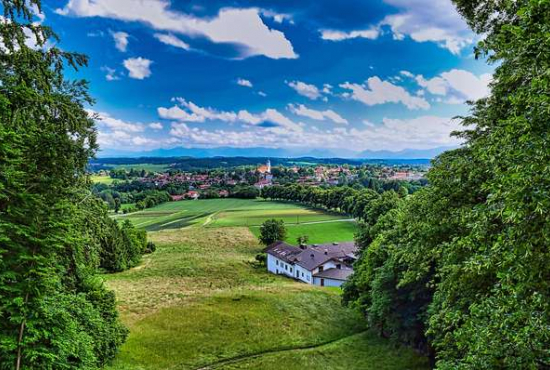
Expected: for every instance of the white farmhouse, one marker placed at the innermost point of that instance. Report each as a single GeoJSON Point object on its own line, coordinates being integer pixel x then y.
{"type": "Point", "coordinates": [318, 264]}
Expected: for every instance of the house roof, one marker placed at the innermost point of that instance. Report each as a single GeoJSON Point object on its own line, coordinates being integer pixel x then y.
{"type": "Point", "coordinates": [283, 251]}
{"type": "Point", "coordinates": [312, 256]}
{"type": "Point", "coordinates": [336, 274]}
{"type": "Point", "coordinates": [317, 254]}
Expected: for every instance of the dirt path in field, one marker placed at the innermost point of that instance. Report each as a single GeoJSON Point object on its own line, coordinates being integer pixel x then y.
{"type": "Point", "coordinates": [242, 358]}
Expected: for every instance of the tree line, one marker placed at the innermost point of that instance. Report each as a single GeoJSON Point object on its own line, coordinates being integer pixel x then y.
{"type": "Point", "coordinates": [55, 236]}
{"type": "Point", "coordinates": [461, 269]}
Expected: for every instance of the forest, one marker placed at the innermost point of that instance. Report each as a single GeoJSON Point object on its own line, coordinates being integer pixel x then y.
{"type": "Point", "coordinates": [55, 236]}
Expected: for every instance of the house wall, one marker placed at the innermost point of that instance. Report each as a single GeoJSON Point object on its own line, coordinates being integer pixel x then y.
{"type": "Point", "coordinates": [304, 275]}
{"type": "Point", "coordinates": [277, 266]}
{"type": "Point", "coordinates": [328, 282]}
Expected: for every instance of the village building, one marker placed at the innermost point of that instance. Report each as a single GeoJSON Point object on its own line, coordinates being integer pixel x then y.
{"type": "Point", "coordinates": [317, 264]}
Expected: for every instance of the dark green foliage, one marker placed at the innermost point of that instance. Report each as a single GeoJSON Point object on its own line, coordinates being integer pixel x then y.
{"type": "Point", "coordinates": [272, 231]}
{"type": "Point", "coordinates": [245, 192]}
{"type": "Point", "coordinates": [54, 314]}
{"type": "Point", "coordinates": [461, 269]}
{"type": "Point", "coordinates": [151, 247]}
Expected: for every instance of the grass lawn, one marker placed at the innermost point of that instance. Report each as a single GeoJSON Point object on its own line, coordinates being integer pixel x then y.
{"type": "Point", "coordinates": [230, 212]}
{"type": "Point", "coordinates": [200, 301]}
{"type": "Point", "coordinates": [107, 180]}
{"type": "Point", "coordinates": [318, 233]}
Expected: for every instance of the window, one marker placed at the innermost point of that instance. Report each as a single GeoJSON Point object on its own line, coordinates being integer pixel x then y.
{"type": "Point", "coordinates": [286, 267]}
{"type": "Point", "coordinates": [339, 266]}
{"type": "Point", "coordinates": [320, 268]}
{"type": "Point", "coordinates": [277, 262]}
{"type": "Point", "coordinates": [291, 269]}
{"type": "Point", "coordinates": [302, 274]}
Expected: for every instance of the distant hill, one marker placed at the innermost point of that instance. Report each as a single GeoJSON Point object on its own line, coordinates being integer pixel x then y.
{"type": "Point", "coordinates": [259, 152]}
{"type": "Point", "coordinates": [403, 154]}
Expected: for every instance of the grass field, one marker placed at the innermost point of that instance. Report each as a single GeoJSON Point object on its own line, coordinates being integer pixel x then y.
{"type": "Point", "coordinates": [199, 302]}
{"type": "Point", "coordinates": [102, 179]}
{"type": "Point", "coordinates": [319, 226]}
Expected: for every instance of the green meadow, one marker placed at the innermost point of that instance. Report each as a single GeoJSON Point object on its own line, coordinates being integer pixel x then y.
{"type": "Point", "coordinates": [201, 302]}
{"type": "Point", "coordinates": [318, 225]}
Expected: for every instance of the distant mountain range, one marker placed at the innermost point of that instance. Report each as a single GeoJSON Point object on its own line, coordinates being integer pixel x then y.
{"type": "Point", "coordinates": [275, 153]}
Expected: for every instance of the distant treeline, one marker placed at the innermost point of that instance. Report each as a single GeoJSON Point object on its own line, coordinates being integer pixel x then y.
{"type": "Point", "coordinates": [190, 163]}
{"type": "Point", "coordinates": [365, 204]}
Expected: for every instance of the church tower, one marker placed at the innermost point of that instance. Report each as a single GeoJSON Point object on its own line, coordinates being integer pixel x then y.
{"type": "Point", "coordinates": [268, 166]}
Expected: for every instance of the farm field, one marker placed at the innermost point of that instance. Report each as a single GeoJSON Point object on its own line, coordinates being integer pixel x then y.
{"type": "Point", "coordinates": [200, 302]}
{"type": "Point", "coordinates": [320, 226]}
{"type": "Point", "coordinates": [107, 180]}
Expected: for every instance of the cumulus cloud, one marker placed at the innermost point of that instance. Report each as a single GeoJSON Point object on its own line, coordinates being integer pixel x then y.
{"type": "Point", "coordinates": [187, 111]}
{"type": "Point", "coordinates": [334, 35]}
{"type": "Point", "coordinates": [155, 126]}
{"type": "Point", "coordinates": [110, 73]}
{"type": "Point", "coordinates": [244, 82]}
{"type": "Point", "coordinates": [376, 91]}
{"type": "Point", "coordinates": [105, 120]}
{"type": "Point", "coordinates": [421, 20]}
{"type": "Point", "coordinates": [457, 85]}
{"type": "Point", "coordinates": [172, 40]}
{"type": "Point", "coordinates": [429, 21]}
{"type": "Point", "coordinates": [305, 89]}
{"type": "Point", "coordinates": [138, 68]}
{"type": "Point", "coordinates": [244, 27]}
{"type": "Point", "coordinates": [302, 110]}
{"type": "Point", "coordinates": [121, 40]}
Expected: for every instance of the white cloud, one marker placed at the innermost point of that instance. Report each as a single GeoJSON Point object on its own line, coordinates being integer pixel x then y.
{"type": "Point", "coordinates": [155, 126]}
{"type": "Point", "coordinates": [304, 89]}
{"type": "Point", "coordinates": [188, 111]}
{"type": "Point", "coordinates": [110, 74]}
{"type": "Point", "coordinates": [428, 20]}
{"type": "Point", "coordinates": [172, 40]}
{"type": "Point", "coordinates": [391, 134]}
{"type": "Point", "coordinates": [237, 26]}
{"type": "Point", "coordinates": [457, 85]}
{"type": "Point", "coordinates": [262, 94]}
{"type": "Point", "coordinates": [138, 68]}
{"type": "Point", "coordinates": [421, 20]}
{"type": "Point", "coordinates": [105, 120]}
{"type": "Point", "coordinates": [376, 91]}
{"type": "Point", "coordinates": [277, 17]}
{"type": "Point", "coordinates": [334, 35]}
{"type": "Point", "coordinates": [121, 40]}
{"type": "Point", "coordinates": [244, 82]}
{"type": "Point", "coordinates": [302, 110]}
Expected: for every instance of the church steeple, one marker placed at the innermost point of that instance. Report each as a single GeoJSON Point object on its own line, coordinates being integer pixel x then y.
{"type": "Point", "coordinates": [268, 166]}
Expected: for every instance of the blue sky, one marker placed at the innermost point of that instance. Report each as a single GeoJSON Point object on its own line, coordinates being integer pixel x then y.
{"type": "Point", "coordinates": [343, 75]}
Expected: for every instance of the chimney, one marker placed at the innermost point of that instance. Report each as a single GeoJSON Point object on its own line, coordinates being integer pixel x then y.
{"type": "Point", "coordinates": [312, 255]}
{"type": "Point", "coordinates": [302, 246]}
{"type": "Point", "coordinates": [326, 252]}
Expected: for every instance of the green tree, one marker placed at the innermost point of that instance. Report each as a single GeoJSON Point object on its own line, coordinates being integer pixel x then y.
{"type": "Point", "coordinates": [302, 239]}
{"type": "Point", "coordinates": [117, 205]}
{"type": "Point", "coordinates": [272, 231]}
{"type": "Point", "coordinates": [461, 269]}
{"type": "Point", "coordinates": [54, 313]}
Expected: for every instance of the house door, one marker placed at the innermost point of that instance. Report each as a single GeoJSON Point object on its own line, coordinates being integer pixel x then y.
{"type": "Point", "coordinates": [322, 282]}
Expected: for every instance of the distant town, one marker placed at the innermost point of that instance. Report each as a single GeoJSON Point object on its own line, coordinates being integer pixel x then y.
{"type": "Point", "coordinates": [138, 186]}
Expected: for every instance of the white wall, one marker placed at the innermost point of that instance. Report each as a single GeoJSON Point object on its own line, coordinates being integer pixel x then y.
{"type": "Point", "coordinates": [304, 275]}
{"type": "Point", "coordinates": [328, 282]}
{"type": "Point", "coordinates": [276, 266]}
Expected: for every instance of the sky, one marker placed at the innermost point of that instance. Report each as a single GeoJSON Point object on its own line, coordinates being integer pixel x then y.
{"type": "Point", "coordinates": [348, 75]}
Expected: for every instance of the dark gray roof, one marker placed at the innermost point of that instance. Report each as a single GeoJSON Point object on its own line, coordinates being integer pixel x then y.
{"type": "Point", "coordinates": [317, 254]}
{"type": "Point", "coordinates": [283, 251]}
{"type": "Point", "coordinates": [336, 274]}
